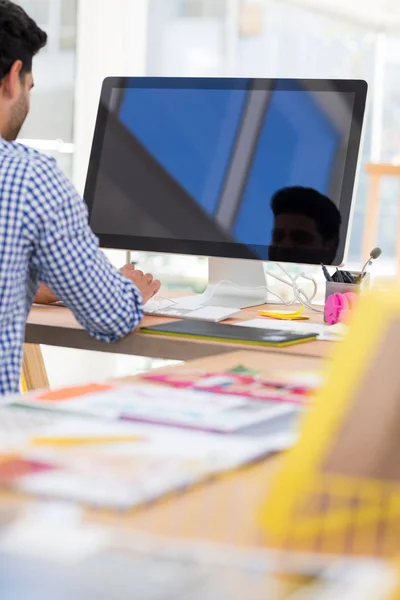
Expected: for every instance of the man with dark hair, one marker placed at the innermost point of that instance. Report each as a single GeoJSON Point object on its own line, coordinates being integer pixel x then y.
{"type": "Point", "coordinates": [20, 41]}
{"type": "Point", "coordinates": [44, 231]}
{"type": "Point", "coordinates": [306, 228]}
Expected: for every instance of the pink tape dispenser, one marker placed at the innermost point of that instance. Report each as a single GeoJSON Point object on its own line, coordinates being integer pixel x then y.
{"type": "Point", "coordinates": [338, 307]}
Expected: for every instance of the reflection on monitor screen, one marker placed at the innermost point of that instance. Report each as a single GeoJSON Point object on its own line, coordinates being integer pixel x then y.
{"type": "Point", "coordinates": [255, 168]}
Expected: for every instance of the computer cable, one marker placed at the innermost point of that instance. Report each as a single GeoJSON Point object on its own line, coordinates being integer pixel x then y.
{"type": "Point", "coordinates": [300, 295]}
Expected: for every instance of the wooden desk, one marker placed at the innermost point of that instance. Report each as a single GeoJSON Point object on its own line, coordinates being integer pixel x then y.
{"type": "Point", "coordinates": [56, 326]}
{"type": "Point", "coordinates": [222, 510]}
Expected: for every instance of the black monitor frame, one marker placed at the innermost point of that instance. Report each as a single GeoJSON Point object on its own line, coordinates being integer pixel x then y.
{"type": "Point", "coordinates": [225, 249]}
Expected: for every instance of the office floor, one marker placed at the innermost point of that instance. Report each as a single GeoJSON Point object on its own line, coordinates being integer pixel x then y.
{"type": "Point", "coordinates": [69, 367]}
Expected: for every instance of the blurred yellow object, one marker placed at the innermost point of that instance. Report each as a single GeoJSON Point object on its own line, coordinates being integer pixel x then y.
{"type": "Point", "coordinates": [24, 387]}
{"type": "Point", "coordinates": [339, 488]}
{"type": "Point", "coordinates": [395, 564]}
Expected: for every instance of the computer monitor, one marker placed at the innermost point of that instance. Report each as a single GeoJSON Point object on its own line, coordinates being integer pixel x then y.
{"type": "Point", "coordinates": [245, 169]}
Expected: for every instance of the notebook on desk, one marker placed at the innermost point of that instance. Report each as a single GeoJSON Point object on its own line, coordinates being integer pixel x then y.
{"type": "Point", "coordinates": [230, 333]}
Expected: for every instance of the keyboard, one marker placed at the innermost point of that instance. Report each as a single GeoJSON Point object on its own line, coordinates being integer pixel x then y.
{"type": "Point", "coordinates": [165, 308]}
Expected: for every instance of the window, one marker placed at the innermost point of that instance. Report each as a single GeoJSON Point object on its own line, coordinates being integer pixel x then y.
{"type": "Point", "coordinates": [278, 38]}
{"type": "Point", "coordinates": [49, 126]}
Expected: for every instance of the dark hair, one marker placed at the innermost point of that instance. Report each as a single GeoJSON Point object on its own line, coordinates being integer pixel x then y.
{"type": "Point", "coordinates": [307, 201]}
{"type": "Point", "coordinates": [20, 38]}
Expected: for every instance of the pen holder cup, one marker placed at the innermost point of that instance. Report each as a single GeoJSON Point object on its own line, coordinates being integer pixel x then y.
{"type": "Point", "coordinates": [333, 287]}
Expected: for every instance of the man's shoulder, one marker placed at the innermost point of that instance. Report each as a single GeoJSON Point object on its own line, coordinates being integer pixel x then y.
{"type": "Point", "coordinates": [26, 155]}
{"type": "Point", "coordinates": [40, 175]}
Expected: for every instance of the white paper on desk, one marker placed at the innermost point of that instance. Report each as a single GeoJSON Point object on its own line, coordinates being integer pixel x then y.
{"type": "Point", "coordinates": [168, 406]}
{"type": "Point", "coordinates": [151, 441]}
{"type": "Point", "coordinates": [332, 333]}
{"type": "Point", "coordinates": [126, 474]}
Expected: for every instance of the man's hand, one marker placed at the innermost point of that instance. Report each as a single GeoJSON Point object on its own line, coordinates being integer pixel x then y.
{"type": "Point", "coordinates": [45, 295]}
{"type": "Point", "coordinates": [146, 284]}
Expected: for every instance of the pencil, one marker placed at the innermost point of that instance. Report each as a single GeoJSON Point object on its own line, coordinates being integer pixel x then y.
{"type": "Point", "coordinates": [84, 441]}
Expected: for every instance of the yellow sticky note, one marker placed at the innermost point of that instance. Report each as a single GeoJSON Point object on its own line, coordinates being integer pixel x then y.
{"type": "Point", "coordinates": [285, 315]}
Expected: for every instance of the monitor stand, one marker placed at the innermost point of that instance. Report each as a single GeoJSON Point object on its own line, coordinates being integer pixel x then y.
{"type": "Point", "coordinates": [232, 283]}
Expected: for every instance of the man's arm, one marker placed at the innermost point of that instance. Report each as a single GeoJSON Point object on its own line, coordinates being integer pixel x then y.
{"type": "Point", "coordinates": [67, 258]}
{"type": "Point", "coordinates": [45, 295]}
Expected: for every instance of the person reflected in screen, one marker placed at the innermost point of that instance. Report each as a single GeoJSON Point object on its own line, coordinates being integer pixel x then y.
{"type": "Point", "coordinates": [306, 226]}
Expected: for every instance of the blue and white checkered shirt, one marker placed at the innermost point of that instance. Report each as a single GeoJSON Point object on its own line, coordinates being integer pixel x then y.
{"type": "Point", "coordinates": [45, 237]}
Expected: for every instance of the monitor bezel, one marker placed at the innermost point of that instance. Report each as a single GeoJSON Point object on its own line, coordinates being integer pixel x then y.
{"type": "Point", "coordinates": [225, 249]}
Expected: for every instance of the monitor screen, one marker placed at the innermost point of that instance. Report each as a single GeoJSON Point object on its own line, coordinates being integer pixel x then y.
{"type": "Point", "coordinates": [242, 168]}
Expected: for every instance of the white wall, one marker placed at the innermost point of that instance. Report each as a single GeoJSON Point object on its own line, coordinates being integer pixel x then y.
{"type": "Point", "coordinates": [111, 41]}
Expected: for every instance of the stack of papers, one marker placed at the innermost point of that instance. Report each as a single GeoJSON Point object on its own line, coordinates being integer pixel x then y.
{"type": "Point", "coordinates": [192, 409]}
{"type": "Point", "coordinates": [102, 462]}
{"type": "Point", "coordinates": [278, 386]}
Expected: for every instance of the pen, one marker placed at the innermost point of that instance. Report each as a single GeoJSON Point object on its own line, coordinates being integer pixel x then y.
{"type": "Point", "coordinates": [339, 276]}
{"type": "Point", "coordinates": [347, 277]}
{"type": "Point", "coordinates": [326, 273]}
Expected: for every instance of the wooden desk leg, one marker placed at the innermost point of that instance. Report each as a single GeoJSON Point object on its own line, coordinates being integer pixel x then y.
{"type": "Point", "coordinates": [34, 371]}
{"type": "Point", "coordinates": [371, 216]}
